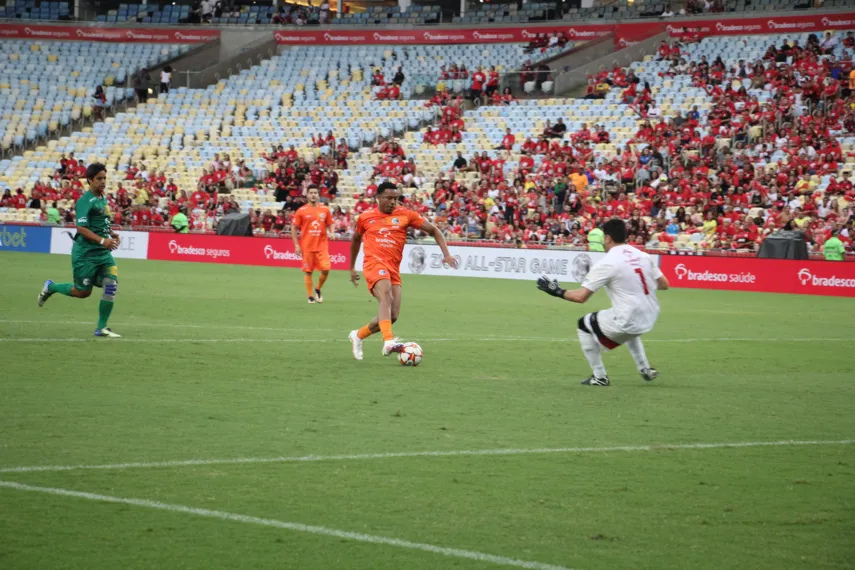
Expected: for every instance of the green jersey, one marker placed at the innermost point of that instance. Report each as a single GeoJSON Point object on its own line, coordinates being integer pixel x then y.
{"type": "Point", "coordinates": [53, 215]}
{"type": "Point", "coordinates": [180, 223]}
{"type": "Point", "coordinates": [595, 240]}
{"type": "Point", "coordinates": [834, 250]}
{"type": "Point", "coordinates": [92, 212]}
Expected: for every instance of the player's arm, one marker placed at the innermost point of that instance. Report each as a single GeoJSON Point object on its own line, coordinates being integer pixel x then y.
{"type": "Point", "coordinates": [434, 232]}
{"type": "Point", "coordinates": [89, 235]}
{"type": "Point", "coordinates": [598, 276]}
{"type": "Point", "coordinates": [330, 234]}
{"type": "Point", "coordinates": [115, 235]}
{"type": "Point", "coordinates": [552, 287]}
{"type": "Point", "coordinates": [294, 222]}
{"type": "Point", "coordinates": [662, 283]}
{"type": "Point", "coordinates": [355, 244]}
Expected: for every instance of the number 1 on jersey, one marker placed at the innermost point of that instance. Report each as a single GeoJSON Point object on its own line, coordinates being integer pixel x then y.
{"type": "Point", "coordinates": [643, 282]}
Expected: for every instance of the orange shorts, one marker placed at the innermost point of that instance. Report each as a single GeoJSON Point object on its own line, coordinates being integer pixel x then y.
{"type": "Point", "coordinates": [375, 272]}
{"type": "Point", "coordinates": [313, 260]}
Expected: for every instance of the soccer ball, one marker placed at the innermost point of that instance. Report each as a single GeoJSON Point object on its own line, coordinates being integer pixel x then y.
{"type": "Point", "coordinates": [411, 354]}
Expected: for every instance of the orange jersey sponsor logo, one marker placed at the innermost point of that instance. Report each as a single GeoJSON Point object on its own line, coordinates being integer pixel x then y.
{"type": "Point", "coordinates": [384, 235]}
{"type": "Point", "coordinates": [313, 222]}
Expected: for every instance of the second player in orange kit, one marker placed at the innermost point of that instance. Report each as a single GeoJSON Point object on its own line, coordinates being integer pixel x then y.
{"type": "Point", "coordinates": [382, 233]}
{"type": "Point", "coordinates": [314, 221]}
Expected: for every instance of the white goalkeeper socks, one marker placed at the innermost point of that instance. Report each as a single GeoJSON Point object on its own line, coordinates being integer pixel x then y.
{"type": "Point", "coordinates": [636, 349]}
{"type": "Point", "coordinates": [591, 350]}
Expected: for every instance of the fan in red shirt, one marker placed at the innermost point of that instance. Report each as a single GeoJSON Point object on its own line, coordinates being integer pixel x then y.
{"type": "Point", "coordinates": [507, 141]}
{"type": "Point", "coordinates": [20, 199]}
{"type": "Point", "coordinates": [478, 80]}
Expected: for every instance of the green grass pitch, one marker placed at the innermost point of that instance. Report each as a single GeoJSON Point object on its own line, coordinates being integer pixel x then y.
{"type": "Point", "coordinates": [227, 362]}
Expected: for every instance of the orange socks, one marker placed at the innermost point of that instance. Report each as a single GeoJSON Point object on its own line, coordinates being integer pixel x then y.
{"type": "Point", "coordinates": [386, 330]}
{"type": "Point", "coordinates": [307, 279]}
{"type": "Point", "coordinates": [363, 333]}
{"type": "Point", "coordinates": [322, 280]}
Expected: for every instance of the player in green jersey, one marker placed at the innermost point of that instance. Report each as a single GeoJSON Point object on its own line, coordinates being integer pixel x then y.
{"type": "Point", "coordinates": [91, 261]}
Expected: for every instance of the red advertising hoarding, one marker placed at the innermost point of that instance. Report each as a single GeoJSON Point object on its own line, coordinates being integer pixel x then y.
{"type": "Point", "coordinates": [771, 25]}
{"type": "Point", "coordinates": [625, 34]}
{"type": "Point", "coordinates": [434, 35]}
{"type": "Point", "coordinates": [236, 250]}
{"type": "Point", "coordinates": [99, 34]}
{"type": "Point", "coordinates": [761, 275]}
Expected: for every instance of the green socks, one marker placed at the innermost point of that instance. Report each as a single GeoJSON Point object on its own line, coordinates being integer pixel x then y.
{"type": "Point", "coordinates": [104, 307]}
{"type": "Point", "coordinates": [104, 310]}
{"type": "Point", "coordinates": [61, 288]}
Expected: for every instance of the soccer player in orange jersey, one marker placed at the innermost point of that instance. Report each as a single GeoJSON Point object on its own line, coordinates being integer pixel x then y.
{"type": "Point", "coordinates": [315, 223]}
{"type": "Point", "coordinates": [382, 233]}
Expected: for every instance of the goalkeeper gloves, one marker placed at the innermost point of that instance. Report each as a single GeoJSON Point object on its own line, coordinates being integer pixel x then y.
{"type": "Point", "coordinates": [550, 286]}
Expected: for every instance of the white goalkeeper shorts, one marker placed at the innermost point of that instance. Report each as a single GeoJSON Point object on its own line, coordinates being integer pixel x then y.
{"type": "Point", "coordinates": [605, 329]}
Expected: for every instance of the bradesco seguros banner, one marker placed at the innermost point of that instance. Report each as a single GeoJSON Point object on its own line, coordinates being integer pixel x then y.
{"type": "Point", "coordinates": [497, 262]}
{"type": "Point", "coordinates": [625, 34]}
{"type": "Point", "coordinates": [132, 245]}
{"type": "Point", "coordinates": [105, 34]}
{"type": "Point", "coordinates": [33, 239]}
{"type": "Point", "coordinates": [236, 250]}
{"type": "Point", "coordinates": [835, 278]}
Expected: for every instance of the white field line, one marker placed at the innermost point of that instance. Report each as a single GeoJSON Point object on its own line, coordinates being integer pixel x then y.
{"type": "Point", "coordinates": [403, 454]}
{"type": "Point", "coordinates": [298, 527]}
{"type": "Point", "coordinates": [459, 339]}
{"type": "Point", "coordinates": [251, 328]}
{"type": "Point", "coordinates": [163, 325]}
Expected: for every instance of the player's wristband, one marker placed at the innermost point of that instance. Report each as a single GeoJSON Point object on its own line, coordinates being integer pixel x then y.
{"type": "Point", "coordinates": [102, 241]}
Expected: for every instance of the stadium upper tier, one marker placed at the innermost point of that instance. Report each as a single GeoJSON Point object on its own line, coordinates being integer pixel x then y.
{"type": "Point", "coordinates": [44, 85]}
{"type": "Point", "coordinates": [33, 10]}
{"type": "Point", "coordinates": [284, 100]}
{"type": "Point", "coordinates": [486, 126]}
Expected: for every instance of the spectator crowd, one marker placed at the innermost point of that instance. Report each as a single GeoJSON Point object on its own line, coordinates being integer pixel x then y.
{"type": "Point", "coordinates": [718, 180]}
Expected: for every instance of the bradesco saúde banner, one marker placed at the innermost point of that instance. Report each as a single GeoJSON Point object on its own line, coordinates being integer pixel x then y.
{"type": "Point", "coordinates": [236, 250]}
{"type": "Point", "coordinates": [133, 245]}
{"type": "Point", "coordinates": [836, 278]}
{"type": "Point", "coordinates": [497, 262]}
{"type": "Point", "coordinates": [34, 239]}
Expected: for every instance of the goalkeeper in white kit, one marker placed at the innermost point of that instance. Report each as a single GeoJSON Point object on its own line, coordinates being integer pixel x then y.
{"type": "Point", "coordinates": [631, 279]}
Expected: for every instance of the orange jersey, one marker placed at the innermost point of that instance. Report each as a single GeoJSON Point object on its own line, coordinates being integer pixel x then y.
{"type": "Point", "coordinates": [313, 222]}
{"type": "Point", "coordinates": [384, 235]}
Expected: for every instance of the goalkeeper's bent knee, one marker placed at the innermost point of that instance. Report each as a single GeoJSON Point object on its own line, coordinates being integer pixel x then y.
{"type": "Point", "coordinates": [111, 286]}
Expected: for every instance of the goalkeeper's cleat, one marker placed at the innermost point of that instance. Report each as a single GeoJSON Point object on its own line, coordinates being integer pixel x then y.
{"type": "Point", "coordinates": [650, 374]}
{"type": "Point", "coordinates": [318, 296]}
{"type": "Point", "coordinates": [391, 346]}
{"type": "Point", "coordinates": [311, 300]}
{"type": "Point", "coordinates": [45, 294]}
{"type": "Point", "coordinates": [356, 343]}
{"type": "Point", "coordinates": [594, 381]}
{"type": "Point", "coordinates": [107, 333]}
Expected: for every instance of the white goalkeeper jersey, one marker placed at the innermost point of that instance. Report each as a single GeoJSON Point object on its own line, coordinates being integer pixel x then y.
{"type": "Point", "coordinates": [629, 277]}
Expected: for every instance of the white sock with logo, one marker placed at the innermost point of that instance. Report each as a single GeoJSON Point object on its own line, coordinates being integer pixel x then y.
{"type": "Point", "coordinates": [591, 350]}
{"type": "Point", "coordinates": [636, 349]}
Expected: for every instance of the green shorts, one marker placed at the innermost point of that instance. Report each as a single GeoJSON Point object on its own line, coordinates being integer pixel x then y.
{"type": "Point", "coordinates": [90, 270]}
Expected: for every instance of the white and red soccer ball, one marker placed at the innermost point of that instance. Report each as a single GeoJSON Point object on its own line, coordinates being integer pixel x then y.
{"type": "Point", "coordinates": [411, 354]}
